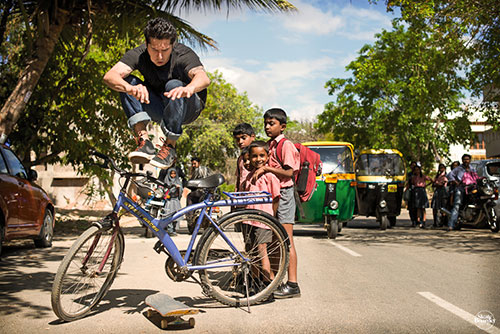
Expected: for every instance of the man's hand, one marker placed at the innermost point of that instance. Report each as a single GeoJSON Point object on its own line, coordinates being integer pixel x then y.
{"type": "Point", "coordinates": [199, 81]}
{"type": "Point", "coordinates": [180, 92]}
{"type": "Point", "coordinates": [140, 92]}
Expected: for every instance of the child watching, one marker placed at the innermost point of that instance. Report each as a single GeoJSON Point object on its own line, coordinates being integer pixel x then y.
{"type": "Point", "coordinates": [243, 135]}
{"type": "Point", "coordinates": [255, 233]}
{"type": "Point", "coordinates": [173, 203]}
{"type": "Point", "coordinates": [274, 125]}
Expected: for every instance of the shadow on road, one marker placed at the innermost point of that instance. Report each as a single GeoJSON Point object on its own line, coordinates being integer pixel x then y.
{"type": "Point", "coordinates": [21, 269]}
{"type": "Point", "coordinates": [367, 232]}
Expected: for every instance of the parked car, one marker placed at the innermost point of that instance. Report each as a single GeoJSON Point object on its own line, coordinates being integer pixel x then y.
{"type": "Point", "coordinates": [490, 169]}
{"type": "Point", "coordinates": [26, 210]}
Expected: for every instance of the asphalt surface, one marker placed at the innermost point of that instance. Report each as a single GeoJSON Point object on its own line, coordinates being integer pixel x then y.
{"type": "Point", "coordinates": [403, 280]}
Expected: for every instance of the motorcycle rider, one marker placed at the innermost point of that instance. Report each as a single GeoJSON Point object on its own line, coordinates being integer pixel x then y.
{"type": "Point", "coordinates": [457, 177]}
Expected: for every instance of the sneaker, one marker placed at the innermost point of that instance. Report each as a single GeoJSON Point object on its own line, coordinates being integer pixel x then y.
{"type": "Point", "coordinates": [145, 151]}
{"type": "Point", "coordinates": [286, 291]}
{"type": "Point", "coordinates": [165, 158]}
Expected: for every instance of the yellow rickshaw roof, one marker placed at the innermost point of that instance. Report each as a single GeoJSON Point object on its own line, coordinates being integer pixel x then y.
{"type": "Point", "coordinates": [381, 151]}
{"type": "Point", "coordinates": [328, 143]}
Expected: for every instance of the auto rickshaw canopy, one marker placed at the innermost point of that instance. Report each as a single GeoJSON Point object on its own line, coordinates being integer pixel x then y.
{"type": "Point", "coordinates": [381, 163]}
{"type": "Point", "coordinates": [337, 157]}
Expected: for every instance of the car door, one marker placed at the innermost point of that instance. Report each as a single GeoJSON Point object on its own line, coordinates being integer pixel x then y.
{"type": "Point", "coordinates": [25, 195]}
{"type": "Point", "coordinates": [9, 197]}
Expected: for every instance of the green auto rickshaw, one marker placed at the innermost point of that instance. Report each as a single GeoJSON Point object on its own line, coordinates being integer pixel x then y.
{"type": "Point", "coordinates": [380, 177]}
{"type": "Point", "coordinates": [333, 201]}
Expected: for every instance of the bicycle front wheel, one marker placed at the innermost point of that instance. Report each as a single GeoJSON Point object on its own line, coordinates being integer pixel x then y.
{"type": "Point", "coordinates": [87, 272]}
{"type": "Point", "coordinates": [257, 267]}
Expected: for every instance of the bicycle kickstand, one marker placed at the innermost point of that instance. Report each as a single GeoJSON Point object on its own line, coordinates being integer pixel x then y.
{"type": "Point", "coordinates": [246, 272]}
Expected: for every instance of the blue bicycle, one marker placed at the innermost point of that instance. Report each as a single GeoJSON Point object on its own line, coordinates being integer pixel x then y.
{"type": "Point", "coordinates": [241, 258]}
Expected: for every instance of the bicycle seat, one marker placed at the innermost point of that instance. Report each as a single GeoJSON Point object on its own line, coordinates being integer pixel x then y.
{"type": "Point", "coordinates": [212, 181]}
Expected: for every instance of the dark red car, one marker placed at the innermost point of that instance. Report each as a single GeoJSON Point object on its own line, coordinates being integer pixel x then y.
{"type": "Point", "coordinates": [26, 210]}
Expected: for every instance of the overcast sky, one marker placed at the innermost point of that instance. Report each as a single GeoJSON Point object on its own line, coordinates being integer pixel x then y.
{"type": "Point", "coordinates": [284, 60]}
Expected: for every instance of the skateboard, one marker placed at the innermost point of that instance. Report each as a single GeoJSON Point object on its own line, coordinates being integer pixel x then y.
{"type": "Point", "coordinates": [170, 310]}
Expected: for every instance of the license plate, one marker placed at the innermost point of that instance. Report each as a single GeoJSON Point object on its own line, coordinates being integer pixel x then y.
{"type": "Point", "coordinates": [393, 188]}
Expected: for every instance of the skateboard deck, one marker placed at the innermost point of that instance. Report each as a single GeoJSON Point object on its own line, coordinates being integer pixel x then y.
{"type": "Point", "coordinates": [170, 310]}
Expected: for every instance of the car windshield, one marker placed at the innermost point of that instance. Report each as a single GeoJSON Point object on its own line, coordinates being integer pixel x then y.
{"type": "Point", "coordinates": [493, 168]}
{"type": "Point", "coordinates": [335, 159]}
{"type": "Point", "coordinates": [379, 164]}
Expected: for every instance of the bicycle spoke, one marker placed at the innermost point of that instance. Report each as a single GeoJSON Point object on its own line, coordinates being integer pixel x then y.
{"type": "Point", "coordinates": [78, 286]}
{"type": "Point", "coordinates": [266, 263]}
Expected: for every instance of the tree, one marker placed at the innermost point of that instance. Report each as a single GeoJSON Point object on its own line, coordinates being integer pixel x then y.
{"type": "Point", "coordinates": [74, 110]}
{"type": "Point", "coordinates": [302, 131]}
{"type": "Point", "coordinates": [210, 137]}
{"type": "Point", "coordinates": [405, 93]}
{"type": "Point", "coordinates": [476, 24]}
{"type": "Point", "coordinates": [46, 20]}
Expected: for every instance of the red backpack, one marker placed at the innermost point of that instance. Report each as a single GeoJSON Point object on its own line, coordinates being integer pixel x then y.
{"type": "Point", "coordinates": [310, 167]}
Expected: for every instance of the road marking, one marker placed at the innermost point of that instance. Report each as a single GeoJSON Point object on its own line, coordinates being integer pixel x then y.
{"type": "Point", "coordinates": [345, 249]}
{"type": "Point", "coordinates": [456, 310]}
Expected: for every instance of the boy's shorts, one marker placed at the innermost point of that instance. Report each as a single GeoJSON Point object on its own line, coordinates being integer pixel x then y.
{"type": "Point", "coordinates": [286, 206]}
{"type": "Point", "coordinates": [255, 236]}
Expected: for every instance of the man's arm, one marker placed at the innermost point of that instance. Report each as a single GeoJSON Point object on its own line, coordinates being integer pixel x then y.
{"type": "Point", "coordinates": [114, 78]}
{"type": "Point", "coordinates": [454, 176]}
{"type": "Point", "coordinates": [199, 81]}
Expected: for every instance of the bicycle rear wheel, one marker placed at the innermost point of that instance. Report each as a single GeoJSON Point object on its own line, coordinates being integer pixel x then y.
{"type": "Point", "coordinates": [79, 285]}
{"type": "Point", "coordinates": [267, 261]}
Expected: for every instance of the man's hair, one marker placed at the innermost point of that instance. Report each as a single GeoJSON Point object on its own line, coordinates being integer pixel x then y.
{"type": "Point", "coordinates": [276, 113]}
{"type": "Point", "coordinates": [195, 159]}
{"type": "Point", "coordinates": [259, 143]}
{"type": "Point", "coordinates": [160, 28]}
{"type": "Point", "coordinates": [466, 155]}
{"type": "Point", "coordinates": [243, 128]}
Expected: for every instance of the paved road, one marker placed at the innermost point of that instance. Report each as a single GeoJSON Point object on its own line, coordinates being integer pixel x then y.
{"type": "Point", "coordinates": [403, 280]}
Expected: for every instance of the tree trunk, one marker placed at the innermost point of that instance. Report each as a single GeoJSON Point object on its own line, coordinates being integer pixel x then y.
{"type": "Point", "coordinates": [16, 103]}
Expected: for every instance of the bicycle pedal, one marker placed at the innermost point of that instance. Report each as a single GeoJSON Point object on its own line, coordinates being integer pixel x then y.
{"type": "Point", "coordinates": [158, 247]}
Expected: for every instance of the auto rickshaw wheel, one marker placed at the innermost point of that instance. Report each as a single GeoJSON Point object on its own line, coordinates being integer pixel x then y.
{"type": "Point", "coordinates": [384, 221]}
{"type": "Point", "coordinates": [332, 227]}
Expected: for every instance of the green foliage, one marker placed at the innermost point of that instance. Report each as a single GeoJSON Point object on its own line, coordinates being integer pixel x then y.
{"type": "Point", "coordinates": [210, 137]}
{"type": "Point", "coordinates": [404, 93]}
{"type": "Point", "coordinates": [302, 131]}
{"type": "Point", "coordinates": [73, 110]}
{"type": "Point", "coordinates": [472, 30]}
{"type": "Point", "coordinates": [226, 187]}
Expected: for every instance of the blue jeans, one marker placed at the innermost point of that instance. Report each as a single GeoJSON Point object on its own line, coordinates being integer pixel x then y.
{"type": "Point", "coordinates": [162, 110]}
{"type": "Point", "coordinates": [458, 197]}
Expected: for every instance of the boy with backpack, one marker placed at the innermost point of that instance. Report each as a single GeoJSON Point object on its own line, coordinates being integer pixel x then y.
{"type": "Point", "coordinates": [284, 168]}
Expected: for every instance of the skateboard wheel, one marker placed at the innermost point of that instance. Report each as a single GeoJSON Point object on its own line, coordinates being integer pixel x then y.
{"type": "Point", "coordinates": [191, 322]}
{"type": "Point", "coordinates": [150, 313]}
{"type": "Point", "coordinates": [164, 324]}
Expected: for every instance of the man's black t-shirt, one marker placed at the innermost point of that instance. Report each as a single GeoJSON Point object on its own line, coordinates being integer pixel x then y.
{"type": "Point", "coordinates": [182, 58]}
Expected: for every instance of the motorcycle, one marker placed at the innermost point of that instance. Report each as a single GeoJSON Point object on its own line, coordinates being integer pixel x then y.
{"type": "Point", "coordinates": [478, 205]}
{"type": "Point", "coordinates": [154, 198]}
{"type": "Point", "coordinates": [214, 212]}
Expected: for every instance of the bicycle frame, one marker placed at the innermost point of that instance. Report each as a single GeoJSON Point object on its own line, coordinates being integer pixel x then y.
{"type": "Point", "coordinates": [157, 226]}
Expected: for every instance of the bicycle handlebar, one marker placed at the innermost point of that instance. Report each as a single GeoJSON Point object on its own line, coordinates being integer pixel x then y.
{"type": "Point", "coordinates": [108, 160]}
